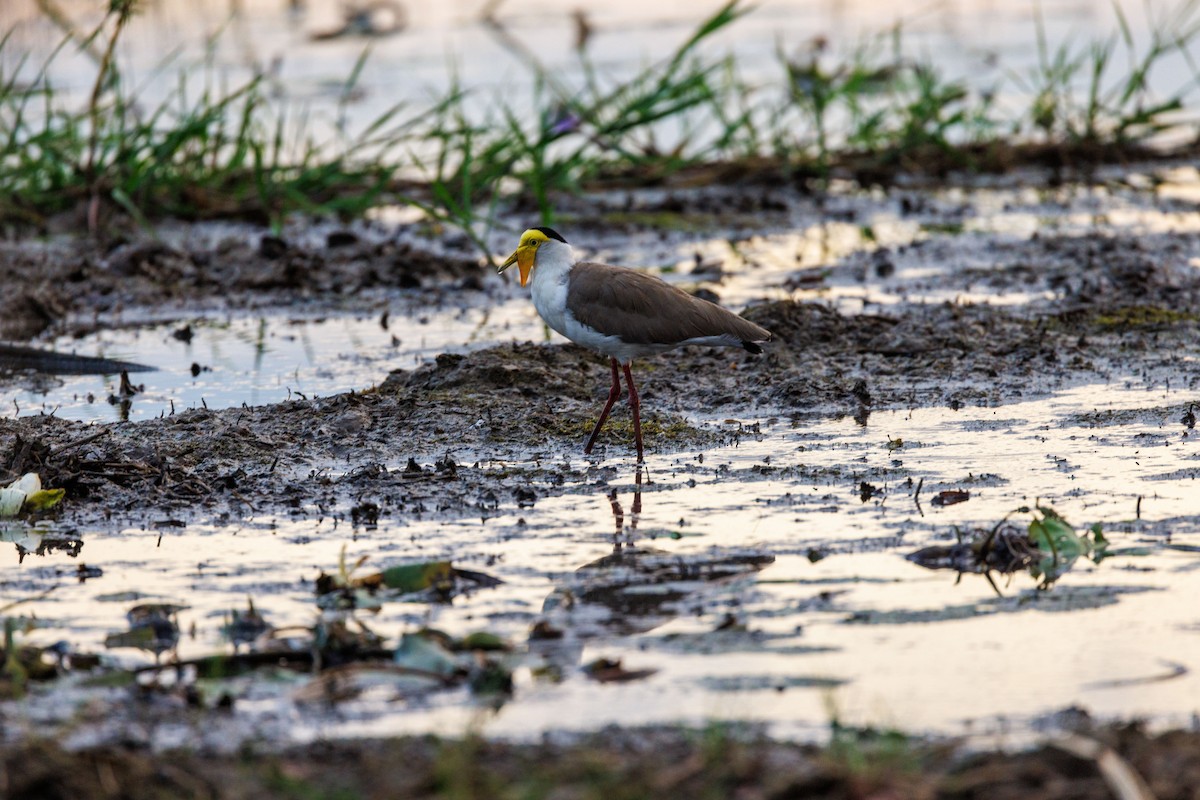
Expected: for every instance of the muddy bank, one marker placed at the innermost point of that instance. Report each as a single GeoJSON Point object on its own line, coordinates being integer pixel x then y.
{"type": "Point", "coordinates": [880, 392]}
{"type": "Point", "coordinates": [425, 440]}
{"type": "Point", "coordinates": [73, 286]}
{"type": "Point", "coordinates": [719, 762]}
{"type": "Point", "coordinates": [443, 437]}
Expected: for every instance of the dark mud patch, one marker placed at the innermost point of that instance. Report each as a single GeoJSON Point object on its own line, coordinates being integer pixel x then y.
{"type": "Point", "coordinates": [657, 762]}
{"type": "Point", "coordinates": [398, 446]}
{"type": "Point", "coordinates": [949, 355]}
{"type": "Point", "coordinates": [64, 287]}
{"type": "Point", "coordinates": [1116, 279]}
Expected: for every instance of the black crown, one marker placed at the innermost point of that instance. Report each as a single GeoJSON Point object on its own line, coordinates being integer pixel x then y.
{"type": "Point", "coordinates": [551, 234]}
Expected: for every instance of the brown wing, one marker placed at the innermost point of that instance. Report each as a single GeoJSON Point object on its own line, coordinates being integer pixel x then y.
{"type": "Point", "coordinates": [642, 309]}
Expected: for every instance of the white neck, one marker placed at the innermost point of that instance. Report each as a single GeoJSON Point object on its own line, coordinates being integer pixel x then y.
{"type": "Point", "coordinates": [548, 284]}
{"type": "Point", "coordinates": [553, 256]}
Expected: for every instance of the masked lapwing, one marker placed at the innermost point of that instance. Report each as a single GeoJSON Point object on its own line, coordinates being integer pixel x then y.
{"type": "Point", "coordinates": [621, 312]}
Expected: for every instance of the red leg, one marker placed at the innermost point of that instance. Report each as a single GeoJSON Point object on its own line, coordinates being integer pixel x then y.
{"type": "Point", "coordinates": [635, 406]}
{"type": "Point", "coordinates": [613, 394]}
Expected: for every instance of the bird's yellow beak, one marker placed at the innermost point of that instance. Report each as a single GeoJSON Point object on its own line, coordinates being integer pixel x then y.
{"type": "Point", "coordinates": [523, 258]}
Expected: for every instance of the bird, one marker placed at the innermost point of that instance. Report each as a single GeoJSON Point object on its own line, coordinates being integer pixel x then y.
{"type": "Point", "coordinates": [623, 313]}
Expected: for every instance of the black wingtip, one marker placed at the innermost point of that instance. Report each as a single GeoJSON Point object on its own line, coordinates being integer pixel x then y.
{"type": "Point", "coordinates": [552, 234]}
{"type": "Point", "coordinates": [752, 347]}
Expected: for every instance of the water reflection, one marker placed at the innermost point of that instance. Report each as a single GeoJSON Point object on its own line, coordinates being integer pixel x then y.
{"type": "Point", "coordinates": [40, 540]}
{"type": "Point", "coordinates": [630, 591]}
{"type": "Point", "coordinates": [621, 533]}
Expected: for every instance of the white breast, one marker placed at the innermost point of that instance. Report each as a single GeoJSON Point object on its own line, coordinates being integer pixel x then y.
{"type": "Point", "coordinates": [548, 284]}
{"type": "Point", "coordinates": [549, 290]}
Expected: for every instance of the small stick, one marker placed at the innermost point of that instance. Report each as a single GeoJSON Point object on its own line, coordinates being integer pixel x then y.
{"type": "Point", "coordinates": [78, 442]}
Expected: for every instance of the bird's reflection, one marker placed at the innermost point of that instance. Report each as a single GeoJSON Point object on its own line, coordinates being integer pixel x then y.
{"type": "Point", "coordinates": [621, 536]}
{"type": "Point", "coordinates": [633, 589]}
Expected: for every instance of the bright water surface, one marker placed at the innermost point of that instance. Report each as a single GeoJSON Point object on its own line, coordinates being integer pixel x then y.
{"type": "Point", "coordinates": [862, 631]}
{"type": "Point", "coordinates": [222, 43]}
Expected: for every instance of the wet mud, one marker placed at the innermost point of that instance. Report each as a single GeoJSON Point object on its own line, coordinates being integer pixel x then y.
{"type": "Point", "coordinates": [433, 431]}
{"type": "Point", "coordinates": [473, 435]}
{"type": "Point", "coordinates": [73, 285]}
{"type": "Point", "coordinates": [1099, 762]}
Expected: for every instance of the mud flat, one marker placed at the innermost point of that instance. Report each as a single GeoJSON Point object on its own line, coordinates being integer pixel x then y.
{"type": "Point", "coordinates": [941, 359]}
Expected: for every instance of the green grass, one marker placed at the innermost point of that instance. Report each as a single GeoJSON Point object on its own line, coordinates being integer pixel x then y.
{"type": "Point", "coordinates": [234, 153]}
{"type": "Point", "coordinates": [202, 154]}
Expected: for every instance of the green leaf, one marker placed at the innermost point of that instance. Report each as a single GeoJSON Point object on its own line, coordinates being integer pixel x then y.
{"type": "Point", "coordinates": [416, 577]}
{"type": "Point", "coordinates": [44, 500]}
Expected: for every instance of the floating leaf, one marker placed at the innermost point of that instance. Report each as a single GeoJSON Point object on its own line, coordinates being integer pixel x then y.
{"type": "Point", "coordinates": [480, 579]}
{"type": "Point", "coordinates": [426, 581]}
{"type": "Point", "coordinates": [243, 627]}
{"type": "Point", "coordinates": [1048, 547]}
{"type": "Point", "coordinates": [119, 597]}
{"type": "Point", "coordinates": [143, 637]}
{"type": "Point", "coordinates": [951, 497]}
{"type": "Point", "coordinates": [150, 612]}
{"type": "Point", "coordinates": [1061, 546]}
{"type": "Point", "coordinates": [349, 681]}
{"type": "Point", "coordinates": [420, 653]}
{"type": "Point", "coordinates": [611, 670]}
{"type": "Point", "coordinates": [152, 626]}
{"type": "Point", "coordinates": [491, 678]}
{"type": "Point", "coordinates": [414, 577]}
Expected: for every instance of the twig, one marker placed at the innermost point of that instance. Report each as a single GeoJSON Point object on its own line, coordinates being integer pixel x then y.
{"type": "Point", "coordinates": [1118, 775]}
{"type": "Point", "coordinates": [78, 442]}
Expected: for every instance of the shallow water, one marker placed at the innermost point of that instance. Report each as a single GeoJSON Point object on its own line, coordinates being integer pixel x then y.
{"type": "Point", "coordinates": [255, 358]}
{"type": "Point", "coordinates": [236, 359]}
{"type": "Point", "coordinates": [839, 621]}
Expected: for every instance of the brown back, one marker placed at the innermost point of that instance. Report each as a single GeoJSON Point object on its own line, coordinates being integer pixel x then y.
{"type": "Point", "coordinates": [642, 309]}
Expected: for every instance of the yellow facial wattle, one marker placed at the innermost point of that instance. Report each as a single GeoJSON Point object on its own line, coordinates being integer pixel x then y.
{"type": "Point", "coordinates": [523, 258]}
